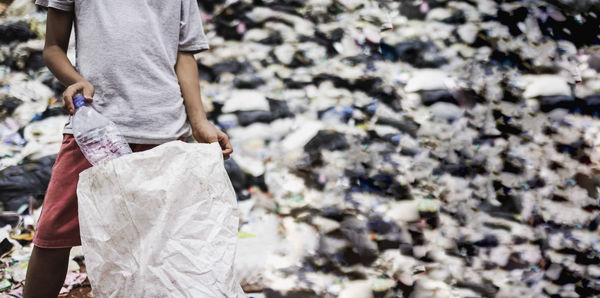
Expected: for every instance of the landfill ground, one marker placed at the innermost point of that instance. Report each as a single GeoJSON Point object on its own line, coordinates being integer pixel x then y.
{"type": "Point", "coordinates": [426, 148]}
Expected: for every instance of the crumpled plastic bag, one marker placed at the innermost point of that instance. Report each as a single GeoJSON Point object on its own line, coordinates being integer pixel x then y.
{"type": "Point", "coordinates": [160, 223]}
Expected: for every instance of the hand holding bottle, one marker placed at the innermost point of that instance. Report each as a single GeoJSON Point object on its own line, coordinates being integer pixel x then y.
{"type": "Point", "coordinates": [83, 87]}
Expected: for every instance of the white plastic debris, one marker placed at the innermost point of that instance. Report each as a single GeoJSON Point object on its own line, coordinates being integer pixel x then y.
{"type": "Point", "coordinates": [357, 289]}
{"type": "Point", "coordinates": [30, 91]}
{"type": "Point", "coordinates": [47, 131]}
{"type": "Point", "coordinates": [285, 53]}
{"type": "Point", "coordinates": [259, 238]}
{"type": "Point", "coordinates": [426, 79]}
{"type": "Point", "coordinates": [250, 165]}
{"type": "Point", "coordinates": [468, 32]}
{"type": "Point", "coordinates": [20, 8]}
{"type": "Point", "coordinates": [403, 211]}
{"type": "Point", "coordinates": [245, 100]}
{"type": "Point", "coordinates": [301, 136]}
{"type": "Point", "coordinates": [544, 85]}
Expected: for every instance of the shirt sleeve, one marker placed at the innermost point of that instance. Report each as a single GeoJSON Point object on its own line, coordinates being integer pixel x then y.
{"type": "Point", "coordinates": [66, 5]}
{"type": "Point", "coordinates": [191, 31]}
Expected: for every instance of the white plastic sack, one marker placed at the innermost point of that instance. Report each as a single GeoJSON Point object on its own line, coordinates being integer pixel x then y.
{"type": "Point", "coordinates": [160, 223]}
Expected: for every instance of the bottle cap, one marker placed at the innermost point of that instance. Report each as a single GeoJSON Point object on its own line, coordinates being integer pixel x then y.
{"type": "Point", "coordinates": [78, 100]}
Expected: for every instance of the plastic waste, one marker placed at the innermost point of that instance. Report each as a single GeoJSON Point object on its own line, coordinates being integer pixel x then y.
{"type": "Point", "coordinates": [97, 136]}
{"type": "Point", "coordinates": [20, 183]}
{"type": "Point", "coordinates": [72, 280]}
{"type": "Point", "coordinates": [5, 246]}
{"type": "Point", "coordinates": [327, 140]}
{"type": "Point", "coordinates": [257, 242]}
{"type": "Point", "coordinates": [486, 160]}
{"type": "Point", "coordinates": [20, 8]}
{"type": "Point", "coordinates": [8, 105]}
{"type": "Point", "coordinates": [15, 31]}
{"type": "Point", "coordinates": [5, 284]}
{"type": "Point", "coordinates": [168, 225]}
{"type": "Point", "coordinates": [419, 53]}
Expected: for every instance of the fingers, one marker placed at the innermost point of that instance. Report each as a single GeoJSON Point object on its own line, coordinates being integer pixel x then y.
{"type": "Point", "coordinates": [205, 132]}
{"type": "Point", "coordinates": [225, 144]}
{"type": "Point", "coordinates": [68, 101]}
{"type": "Point", "coordinates": [88, 92]}
{"type": "Point", "coordinates": [226, 156]}
{"type": "Point", "coordinates": [86, 88]}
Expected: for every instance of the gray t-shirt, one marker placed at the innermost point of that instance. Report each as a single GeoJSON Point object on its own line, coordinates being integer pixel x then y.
{"type": "Point", "coordinates": [127, 50]}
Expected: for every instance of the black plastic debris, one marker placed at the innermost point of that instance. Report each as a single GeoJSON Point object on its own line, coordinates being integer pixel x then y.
{"type": "Point", "coordinates": [277, 109]}
{"type": "Point", "coordinates": [422, 54]}
{"type": "Point", "coordinates": [231, 66]}
{"type": "Point", "coordinates": [8, 106]}
{"type": "Point", "coordinates": [17, 31]}
{"type": "Point", "coordinates": [512, 18]}
{"type": "Point", "coordinates": [431, 218]}
{"type": "Point", "coordinates": [238, 178]}
{"type": "Point", "coordinates": [404, 124]}
{"type": "Point", "coordinates": [248, 117]}
{"type": "Point", "coordinates": [21, 183]}
{"type": "Point", "coordinates": [273, 39]}
{"type": "Point", "coordinates": [5, 246]}
{"type": "Point", "coordinates": [34, 61]}
{"type": "Point", "coordinates": [358, 235]}
{"type": "Point", "coordinates": [591, 105]}
{"type": "Point", "coordinates": [429, 97]}
{"type": "Point", "coordinates": [291, 294]}
{"type": "Point", "coordinates": [488, 240]}
{"type": "Point", "coordinates": [569, 28]}
{"type": "Point", "coordinates": [248, 81]}
{"type": "Point", "coordinates": [327, 140]}
{"type": "Point", "coordinates": [549, 103]}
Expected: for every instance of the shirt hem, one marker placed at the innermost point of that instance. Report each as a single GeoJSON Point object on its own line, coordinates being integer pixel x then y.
{"type": "Point", "coordinates": [56, 243]}
{"type": "Point", "coordinates": [145, 141]}
{"type": "Point", "coordinates": [141, 140]}
{"type": "Point", "coordinates": [195, 48]}
{"type": "Point", "coordinates": [59, 6]}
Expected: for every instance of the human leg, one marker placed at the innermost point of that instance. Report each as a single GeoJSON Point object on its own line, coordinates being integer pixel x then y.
{"type": "Point", "coordinates": [46, 272]}
{"type": "Point", "coordinates": [58, 228]}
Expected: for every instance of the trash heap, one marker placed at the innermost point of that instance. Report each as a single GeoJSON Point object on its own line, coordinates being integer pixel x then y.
{"type": "Point", "coordinates": [422, 148]}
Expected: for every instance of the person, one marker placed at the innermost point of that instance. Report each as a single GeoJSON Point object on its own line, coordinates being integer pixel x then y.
{"type": "Point", "coordinates": [135, 64]}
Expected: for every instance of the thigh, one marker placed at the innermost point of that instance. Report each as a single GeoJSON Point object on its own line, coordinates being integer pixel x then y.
{"type": "Point", "coordinates": [58, 225]}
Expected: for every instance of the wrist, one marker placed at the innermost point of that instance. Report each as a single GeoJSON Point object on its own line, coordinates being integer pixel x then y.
{"type": "Point", "coordinates": [199, 122]}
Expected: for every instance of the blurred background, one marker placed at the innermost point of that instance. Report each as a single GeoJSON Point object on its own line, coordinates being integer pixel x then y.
{"type": "Point", "coordinates": [424, 148]}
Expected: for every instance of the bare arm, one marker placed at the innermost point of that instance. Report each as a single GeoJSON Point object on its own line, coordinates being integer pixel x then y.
{"type": "Point", "coordinates": [203, 131]}
{"type": "Point", "coordinates": [58, 32]}
{"type": "Point", "coordinates": [187, 74]}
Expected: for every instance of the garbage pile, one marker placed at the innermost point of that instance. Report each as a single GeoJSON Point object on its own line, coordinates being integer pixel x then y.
{"type": "Point", "coordinates": [423, 148]}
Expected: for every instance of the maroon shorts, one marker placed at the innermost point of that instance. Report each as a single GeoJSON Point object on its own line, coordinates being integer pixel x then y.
{"type": "Point", "coordinates": [58, 226]}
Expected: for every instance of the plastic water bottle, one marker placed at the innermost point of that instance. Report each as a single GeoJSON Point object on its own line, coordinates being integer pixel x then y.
{"type": "Point", "coordinates": [97, 137]}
